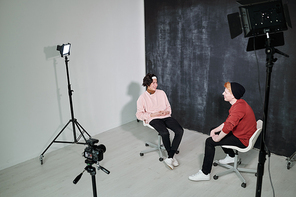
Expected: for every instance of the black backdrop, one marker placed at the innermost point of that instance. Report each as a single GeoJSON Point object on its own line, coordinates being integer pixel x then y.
{"type": "Point", "coordinates": [188, 46]}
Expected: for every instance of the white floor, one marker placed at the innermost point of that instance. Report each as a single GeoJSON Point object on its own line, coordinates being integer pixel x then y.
{"type": "Point", "coordinates": [135, 176]}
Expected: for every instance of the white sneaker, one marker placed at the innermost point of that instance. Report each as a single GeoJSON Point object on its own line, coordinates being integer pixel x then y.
{"type": "Point", "coordinates": [200, 176]}
{"type": "Point", "coordinates": [169, 163]}
{"type": "Point", "coordinates": [175, 162]}
{"type": "Point", "coordinates": [227, 160]}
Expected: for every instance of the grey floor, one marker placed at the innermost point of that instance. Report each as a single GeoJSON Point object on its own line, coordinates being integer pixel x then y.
{"type": "Point", "coordinates": [135, 176]}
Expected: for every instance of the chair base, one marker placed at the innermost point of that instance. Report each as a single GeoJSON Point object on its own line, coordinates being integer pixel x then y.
{"type": "Point", "coordinates": [154, 147]}
{"type": "Point", "coordinates": [235, 169]}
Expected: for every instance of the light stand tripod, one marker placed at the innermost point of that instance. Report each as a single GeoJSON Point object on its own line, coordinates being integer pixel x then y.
{"type": "Point", "coordinates": [270, 51]}
{"type": "Point", "coordinates": [92, 171]}
{"type": "Point", "coordinates": [73, 120]}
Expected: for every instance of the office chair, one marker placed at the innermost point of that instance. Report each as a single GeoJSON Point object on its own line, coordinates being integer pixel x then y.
{"type": "Point", "coordinates": [237, 161]}
{"type": "Point", "coordinates": [153, 147]}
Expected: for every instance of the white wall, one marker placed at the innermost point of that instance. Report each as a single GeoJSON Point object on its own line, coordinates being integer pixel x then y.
{"type": "Point", "coordinates": [107, 64]}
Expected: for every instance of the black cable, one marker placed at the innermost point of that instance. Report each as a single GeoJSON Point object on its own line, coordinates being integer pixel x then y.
{"type": "Point", "coordinates": [270, 175]}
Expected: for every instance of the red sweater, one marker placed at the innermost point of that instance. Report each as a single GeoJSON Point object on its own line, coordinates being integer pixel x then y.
{"type": "Point", "coordinates": [241, 121]}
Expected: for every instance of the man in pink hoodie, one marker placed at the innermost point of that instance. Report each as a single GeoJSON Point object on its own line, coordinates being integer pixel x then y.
{"type": "Point", "coordinates": [154, 108]}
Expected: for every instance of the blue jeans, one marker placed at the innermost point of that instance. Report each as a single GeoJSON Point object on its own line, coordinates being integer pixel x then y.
{"type": "Point", "coordinates": [161, 125]}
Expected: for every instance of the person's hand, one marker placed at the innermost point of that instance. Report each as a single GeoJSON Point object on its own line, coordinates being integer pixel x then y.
{"type": "Point", "coordinates": [215, 138]}
{"type": "Point", "coordinates": [218, 137]}
{"type": "Point", "coordinates": [160, 113]}
{"type": "Point", "coordinates": [164, 113]}
{"type": "Point", "coordinates": [212, 133]}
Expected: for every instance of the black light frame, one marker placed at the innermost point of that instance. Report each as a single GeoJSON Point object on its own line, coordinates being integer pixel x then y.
{"type": "Point", "coordinates": [64, 49]}
{"type": "Point", "coordinates": [260, 18]}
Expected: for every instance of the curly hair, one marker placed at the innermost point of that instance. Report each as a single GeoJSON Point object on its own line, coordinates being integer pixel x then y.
{"type": "Point", "coordinates": [147, 80]}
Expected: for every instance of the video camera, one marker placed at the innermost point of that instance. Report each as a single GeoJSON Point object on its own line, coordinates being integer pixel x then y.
{"type": "Point", "coordinates": [93, 153]}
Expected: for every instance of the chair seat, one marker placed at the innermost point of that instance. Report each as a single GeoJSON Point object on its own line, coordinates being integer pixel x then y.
{"type": "Point", "coordinates": [147, 125]}
{"type": "Point", "coordinates": [242, 150]}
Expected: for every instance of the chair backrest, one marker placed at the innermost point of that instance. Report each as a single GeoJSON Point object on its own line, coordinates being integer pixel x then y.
{"type": "Point", "coordinates": [255, 136]}
{"type": "Point", "coordinates": [252, 140]}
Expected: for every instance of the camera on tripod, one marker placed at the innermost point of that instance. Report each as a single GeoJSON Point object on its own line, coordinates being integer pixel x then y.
{"type": "Point", "coordinates": [93, 153]}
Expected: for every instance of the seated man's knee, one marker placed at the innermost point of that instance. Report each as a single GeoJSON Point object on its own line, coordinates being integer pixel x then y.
{"type": "Point", "coordinates": [209, 141]}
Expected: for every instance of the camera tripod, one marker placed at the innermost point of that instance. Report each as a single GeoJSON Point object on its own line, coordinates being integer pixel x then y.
{"type": "Point", "coordinates": [92, 171]}
{"type": "Point", "coordinates": [73, 120]}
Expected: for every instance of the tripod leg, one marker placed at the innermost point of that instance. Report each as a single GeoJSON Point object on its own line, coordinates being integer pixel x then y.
{"type": "Point", "coordinates": [41, 156]}
{"type": "Point", "coordinates": [81, 130]}
{"type": "Point", "coordinates": [93, 177]}
{"type": "Point", "coordinates": [92, 171]}
{"type": "Point", "coordinates": [79, 125]}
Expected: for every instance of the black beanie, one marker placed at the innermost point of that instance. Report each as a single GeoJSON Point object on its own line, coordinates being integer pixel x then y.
{"type": "Point", "coordinates": [237, 90]}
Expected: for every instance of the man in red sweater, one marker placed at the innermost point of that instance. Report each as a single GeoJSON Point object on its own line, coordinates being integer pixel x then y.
{"type": "Point", "coordinates": [238, 128]}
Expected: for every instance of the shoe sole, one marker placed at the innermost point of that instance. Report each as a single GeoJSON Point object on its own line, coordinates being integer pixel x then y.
{"type": "Point", "coordinates": [199, 180]}
{"type": "Point", "coordinates": [171, 168]}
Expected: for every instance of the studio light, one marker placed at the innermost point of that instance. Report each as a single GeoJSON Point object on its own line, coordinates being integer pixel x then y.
{"type": "Point", "coordinates": [64, 49]}
{"type": "Point", "coordinates": [258, 17]}
{"type": "Point", "coordinates": [263, 21]}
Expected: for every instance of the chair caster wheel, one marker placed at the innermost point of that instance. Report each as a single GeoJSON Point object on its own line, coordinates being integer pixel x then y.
{"type": "Point", "coordinates": [239, 162]}
{"type": "Point", "coordinates": [141, 154]}
{"type": "Point", "coordinates": [177, 152]}
{"type": "Point", "coordinates": [289, 165]}
{"type": "Point", "coordinates": [244, 185]}
{"type": "Point", "coordinates": [215, 177]}
{"type": "Point", "coordinates": [41, 159]}
{"type": "Point", "coordinates": [160, 159]}
{"type": "Point", "coordinates": [146, 144]}
{"type": "Point", "coordinates": [215, 164]}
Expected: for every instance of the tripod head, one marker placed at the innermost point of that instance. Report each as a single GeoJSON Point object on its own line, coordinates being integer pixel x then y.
{"type": "Point", "coordinates": [91, 170]}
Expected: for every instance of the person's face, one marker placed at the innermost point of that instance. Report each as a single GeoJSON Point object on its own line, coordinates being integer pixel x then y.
{"type": "Point", "coordinates": [228, 96]}
{"type": "Point", "coordinates": [153, 85]}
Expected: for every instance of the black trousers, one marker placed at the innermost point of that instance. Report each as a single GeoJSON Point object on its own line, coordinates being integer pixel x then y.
{"type": "Point", "coordinates": [161, 125]}
{"type": "Point", "coordinates": [210, 145]}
